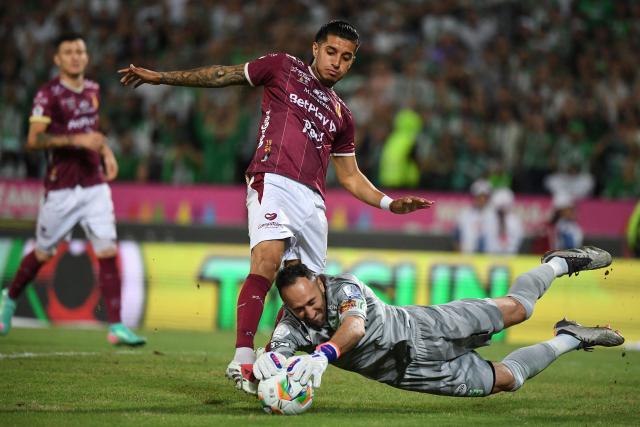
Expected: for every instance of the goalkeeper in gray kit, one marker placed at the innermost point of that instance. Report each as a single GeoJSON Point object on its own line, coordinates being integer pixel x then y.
{"type": "Point", "coordinates": [429, 349]}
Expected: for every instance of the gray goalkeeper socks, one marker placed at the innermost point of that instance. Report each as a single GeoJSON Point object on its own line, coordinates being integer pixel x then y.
{"type": "Point", "coordinates": [528, 362]}
{"type": "Point", "coordinates": [530, 286]}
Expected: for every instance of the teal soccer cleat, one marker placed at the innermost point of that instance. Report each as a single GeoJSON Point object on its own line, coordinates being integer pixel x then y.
{"type": "Point", "coordinates": [121, 335]}
{"type": "Point", "coordinates": [7, 308]}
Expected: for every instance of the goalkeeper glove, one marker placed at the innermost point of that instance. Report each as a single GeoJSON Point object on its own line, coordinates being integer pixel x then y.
{"type": "Point", "coordinates": [268, 365]}
{"type": "Point", "coordinates": [305, 367]}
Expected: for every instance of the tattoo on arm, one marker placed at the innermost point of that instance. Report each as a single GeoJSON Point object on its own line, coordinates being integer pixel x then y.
{"type": "Point", "coordinates": [44, 141]}
{"type": "Point", "coordinates": [210, 76]}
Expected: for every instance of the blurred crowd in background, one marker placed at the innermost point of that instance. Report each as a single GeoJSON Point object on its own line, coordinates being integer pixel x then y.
{"type": "Point", "coordinates": [534, 95]}
{"type": "Point", "coordinates": [491, 225]}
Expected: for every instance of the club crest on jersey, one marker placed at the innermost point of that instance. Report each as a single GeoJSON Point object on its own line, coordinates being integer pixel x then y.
{"type": "Point", "coordinates": [267, 151]}
{"type": "Point", "coordinates": [338, 109]}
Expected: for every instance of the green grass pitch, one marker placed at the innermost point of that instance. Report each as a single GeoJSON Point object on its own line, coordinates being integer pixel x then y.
{"type": "Point", "coordinates": [71, 377]}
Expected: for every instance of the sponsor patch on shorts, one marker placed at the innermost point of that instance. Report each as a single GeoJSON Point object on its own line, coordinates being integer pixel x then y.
{"type": "Point", "coordinates": [272, 224]}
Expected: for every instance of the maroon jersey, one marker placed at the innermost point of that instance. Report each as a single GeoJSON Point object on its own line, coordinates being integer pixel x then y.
{"type": "Point", "coordinates": [67, 112]}
{"type": "Point", "coordinates": [303, 122]}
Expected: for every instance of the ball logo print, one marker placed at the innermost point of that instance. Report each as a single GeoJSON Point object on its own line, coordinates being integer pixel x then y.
{"type": "Point", "coordinates": [270, 216]}
{"type": "Point", "coordinates": [283, 396]}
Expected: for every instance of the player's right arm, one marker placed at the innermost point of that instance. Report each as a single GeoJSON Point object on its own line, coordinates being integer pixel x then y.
{"type": "Point", "coordinates": [39, 139]}
{"type": "Point", "coordinates": [209, 76]}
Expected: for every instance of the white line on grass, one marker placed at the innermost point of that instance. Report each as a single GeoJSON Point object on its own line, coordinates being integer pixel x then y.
{"type": "Point", "coordinates": [30, 355]}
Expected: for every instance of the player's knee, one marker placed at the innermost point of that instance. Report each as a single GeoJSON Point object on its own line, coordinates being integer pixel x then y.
{"type": "Point", "coordinates": [518, 311]}
{"type": "Point", "coordinates": [44, 255]}
{"type": "Point", "coordinates": [510, 376]}
{"type": "Point", "coordinates": [107, 253]}
{"type": "Point", "coordinates": [105, 248]}
{"type": "Point", "coordinates": [513, 312]}
{"type": "Point", "coordinates": [266, 258]}
{"type": "Point", "coordinates": [289, 262]}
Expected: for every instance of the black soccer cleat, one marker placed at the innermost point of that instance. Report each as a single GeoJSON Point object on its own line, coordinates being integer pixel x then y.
{"type": "Point", "coordinates": [584, 258]}
{"type": "Point", "coordinates": [589, 336]}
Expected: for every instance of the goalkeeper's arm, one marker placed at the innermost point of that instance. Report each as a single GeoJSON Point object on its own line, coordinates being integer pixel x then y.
{"type": "Point", "coordinates": [311, 367]}
{"type": "Point", "coordinates": [349, 333]}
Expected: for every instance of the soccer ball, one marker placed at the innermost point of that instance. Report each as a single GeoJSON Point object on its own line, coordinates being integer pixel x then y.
{"type": "Point", "coordinates": [282, 395]}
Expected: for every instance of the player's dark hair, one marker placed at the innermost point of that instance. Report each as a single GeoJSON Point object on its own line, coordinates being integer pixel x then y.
{"type": "Point", "coordinates": [66, 37]}
{"type": "Point", "coordinates": [288, 275]}
{"type": "Point", "coordinates": [338, 28]}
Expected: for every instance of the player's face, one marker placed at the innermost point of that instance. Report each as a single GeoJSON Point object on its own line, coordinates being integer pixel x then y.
{"type": "Point", "coordinates": [72, 58]}
{"type": "Point", "coordinates": [333, 58]}
{"type": "Point", "coordinates": [305, 299]}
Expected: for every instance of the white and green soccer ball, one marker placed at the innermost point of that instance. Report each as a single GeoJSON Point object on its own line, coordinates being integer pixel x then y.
{"type": "Point", "coordinates": [284, 396]}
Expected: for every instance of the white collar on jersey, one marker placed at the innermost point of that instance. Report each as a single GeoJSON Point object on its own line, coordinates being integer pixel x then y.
{"type": "Point", "coordinates": [311, 72]}
{"type": "Point", "coordinates": [71, 88]}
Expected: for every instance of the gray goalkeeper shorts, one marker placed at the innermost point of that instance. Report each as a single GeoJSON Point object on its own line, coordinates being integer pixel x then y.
{"type": "Point", "coordinates": [445, 361]}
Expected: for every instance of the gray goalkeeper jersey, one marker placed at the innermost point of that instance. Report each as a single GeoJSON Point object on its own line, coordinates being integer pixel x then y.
{"type": "Point", "coordinates": [382, 354]}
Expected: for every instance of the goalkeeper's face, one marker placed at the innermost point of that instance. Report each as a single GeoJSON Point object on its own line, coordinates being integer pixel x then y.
{"type": "Point", "coordinates": [305, 299]}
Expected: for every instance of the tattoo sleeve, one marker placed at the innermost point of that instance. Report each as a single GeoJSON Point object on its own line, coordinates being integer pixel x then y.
{"type": "Point", "coordinates": [45, 141]}
{"type": "Point", "coordinates": [211, 76]}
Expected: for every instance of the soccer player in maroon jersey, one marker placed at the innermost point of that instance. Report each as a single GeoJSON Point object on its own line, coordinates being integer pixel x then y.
{"type": "Point", "coordinates": [64, 121]}
{"type": "Point", "coordinates": [304, 123]}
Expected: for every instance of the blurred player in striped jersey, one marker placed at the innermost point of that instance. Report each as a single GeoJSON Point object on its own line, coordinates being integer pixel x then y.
{"type": "Point", "coordinates": [65, 121]}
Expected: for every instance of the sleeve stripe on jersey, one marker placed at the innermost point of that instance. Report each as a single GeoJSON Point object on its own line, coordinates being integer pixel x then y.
{"type": "Point", "coordinates": [39, 119]}
{"type": "Point", "coordinates": [343, 154]}
{"type": "Point", "coordinates": [246, 74]}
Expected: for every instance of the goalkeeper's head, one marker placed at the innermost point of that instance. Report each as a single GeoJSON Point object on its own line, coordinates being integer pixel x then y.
{"type": "Point", "coordinates": [302, 292]}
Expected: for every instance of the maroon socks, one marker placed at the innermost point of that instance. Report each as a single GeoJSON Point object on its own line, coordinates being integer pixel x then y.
{"type": "Point", "coordinates": [250, 307]}
{"type": "Point", "coordinates": [110, 287]}
{"type": "Point", "coordinates": [29, 267]}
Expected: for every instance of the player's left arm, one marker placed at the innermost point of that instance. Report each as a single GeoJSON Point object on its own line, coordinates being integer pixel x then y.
{"type": "Point", "coordinates": [208, 76]}
{"type": "Point", "coordinates": [349, 333]}
{"type": "Point", "coordinates": [311, 367]}
{"type": "Point", "coordinates": [354, 181]}
{"type": "Point", "coordinates": [352, 312]}
{"type": "Point", "coordinates": [110, 163]}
